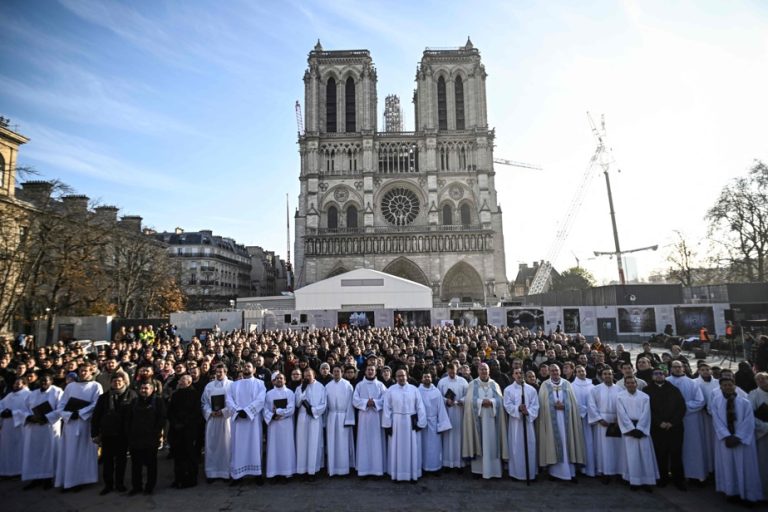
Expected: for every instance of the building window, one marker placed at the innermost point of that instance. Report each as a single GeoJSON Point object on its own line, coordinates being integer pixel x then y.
{"type": "Point", "coordinates": [333, 218]}
{"type": "Point", "coordinates": [443, 159]}
{"type": "Point", "coordinates": [447, 215]}
{"type": "Point", "coordinates": [349, 105]}
{"type": "Point", "coordinates": [466, 219]}
{"type": "Point", "coordinates": [330, 106]}
{"type": "Point", "coordinates": [459, 93]}
{"type": "Point", "coordinates": [442, 105]}
{"type": "Point", "coordinates": [351, 217]}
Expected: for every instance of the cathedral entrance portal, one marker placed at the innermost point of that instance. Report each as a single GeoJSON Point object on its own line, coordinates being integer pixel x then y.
{"type": "Point", "coordinates": [405, 268]}
{"type": "Point", "coordinates": [464, 282]}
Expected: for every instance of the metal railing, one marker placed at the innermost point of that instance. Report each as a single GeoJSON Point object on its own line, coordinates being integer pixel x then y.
{"type": "Point", "coordinates": [439, 228]}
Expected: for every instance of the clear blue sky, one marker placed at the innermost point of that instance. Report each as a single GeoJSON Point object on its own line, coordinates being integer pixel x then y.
{"type": "Point", "coordinates": [182, 112]}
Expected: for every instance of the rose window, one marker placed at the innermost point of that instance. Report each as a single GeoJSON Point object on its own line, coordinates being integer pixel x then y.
{"type": "Point", "coordinates": [400, 206]}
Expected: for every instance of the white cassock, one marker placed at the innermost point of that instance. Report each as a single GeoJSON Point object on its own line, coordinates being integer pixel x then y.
{"type": "Point", "coordinates": [708, 430]}
{"type": "Point", "coordinates": [77, 461]}
{"type": "Point", "coordinates": [11, 432]}
{"type": "Point", "coordinates": [41, 441]}
{"type": "Point", "coordinates": [371, 440]}
{"type": "Point", "coordinates": [339, 422]}
{"type": "Point", "coordinates": [582, 389]}
{"type": "Point", "coordinates": [758, 397]}
{"type": "Point", "coordinates": [218, 430]}
{"type": "Point", "coordinates": [513, 399]}
{"type": "Point", "coordinates": [246, 395]}
{"type": "Point", "coordinates": [437, 423]}
{"type": "Point", "coordinates": [609, 451]}
{"type": "Point", "coordinates": [281, 443]}
{"type": "Point", "coordinates": [452, 438]}
{"type": "Point", "coordinates": [634, 412]}
{"type": "Point", "coordinates": [694, 457]}
{"type": "Point", "coordinates": [400, 403]}
{"type": "Point", "coordinates": [736, 469]}
{"type": "Point", "coordinates": [309, 428]}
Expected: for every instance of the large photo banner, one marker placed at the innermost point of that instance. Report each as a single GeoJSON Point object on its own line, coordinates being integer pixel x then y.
{"type": "Point", "coordinates": [469, 317]}
{"type": "Point", "coordinates": [689, 320]}
{"type": "Point", "coordinates": [637, 320]}
{"type": "Point", "coordinates": [531, 319]}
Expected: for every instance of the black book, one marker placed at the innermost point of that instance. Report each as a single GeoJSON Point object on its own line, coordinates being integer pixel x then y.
{"type": "Point", "coordinates": [75, 404]}
{"type": "Point", "coordinates": [613, 430]}
{"type": "Point", "coordinates": [42, 409]}
{"type": "Point", "coordinates": [762, 412]}
{"type": "Point", "coordinates": [217, 403]}
{"type": "Point", "coordinates": [415, 422]}
{"type": "Point", "coordinates": [450, 395]}
{"type": "Point", "coordinates": [281, 403]}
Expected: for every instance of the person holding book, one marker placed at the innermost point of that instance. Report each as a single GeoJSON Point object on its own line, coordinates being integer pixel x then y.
{"type": "Point", "coordinates": [41, 434]}
{"type": "Point", "coordinates": [453, 387]}
{"type": "Point", "coordinates": [12, 416]}
{"type": "Point", "coordinates": [217, 425]}
{"type": "Point", "coordinates": [404, 416]}
{"type": "Point", "coordinates": [310, 399]}
{"type": "Point", "coordinates": [279, 408]}
{"type": "Point", "coordinates": [77, 461]}
{"type": "Point", "coordinates": [609, 449]}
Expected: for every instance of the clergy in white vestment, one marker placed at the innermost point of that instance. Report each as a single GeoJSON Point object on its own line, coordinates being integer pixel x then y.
{"type": "Point", "coordinates": [13, 414]}
{"type": "Point", "coordinates": [609, 449]}
{"type": "Point", "coordinates": [339, 422]}
{"type": "Point", "coordinates": [310, 400]}
{"type": "Point", "coordinates": [758, 397]}
{"type": "Point", "coordinates": [42, 431]}
{"type": "Point", "coordinates": [707, 383]}
{"type": "Point", "coordinates": [582, 389]}
{"type": "Point", "coordinates": [694, 458]}
{"type": "Point", "coordinates": [77, 457]}
{"type": "Point", "coordinates": [245, 399]}
{"type": "Point", "coordinates": [634, 416]}
{"type": "Point", "coordinates": [371, 449]}
{"type": "Point", "coordinates": [736, 469]}
{"type": "Point", "coordinates": [521, 401]}
{"type": "Point", "coordinates": [454, 402]}
{"type": "Point", "coordinates": [404, 414]}
{"type": "Point", "coordinates": [281, 443]}
{"type": "Point", "coordinates": [560, 437]}
{"type": "Point", "coordinates": [484, 436]}
{"type": "Point", "coordinates": [627, 370]}
{"type": "Point", "coordinates": [437, 423]}
{"type": "Point", "coordinates": [218, 425]}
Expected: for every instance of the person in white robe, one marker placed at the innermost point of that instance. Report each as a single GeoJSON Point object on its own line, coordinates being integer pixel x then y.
{"type": "Point", "coordinates": [521, 401]}
{"type": "Point", "coordinates": [484, 436]}
{"type": "Point", "coordinates": [633, 412]}
{"type": "Point", "coordinates": [310, 399]}
{"type": "Point", "coordinates": [582, 389]}
{"type": "Point", "coordinates": [694, 458]}
{"type": "Point", "coordinates": [245, 399]}
{"type": "Point", "coordinates": [13, 414]}
{"type": "Point", "coordinates": [339, 422]}
{"type": "Point", "coordinates": [437, 423]}
{"type": "Point", "coordinates": [371, 449]}
{"type": "Point", "coordinates": [736, 470]}
{"type": "Point", "coordinates": [559, 436]}
{"type": "Point", "coordinates": [218, 425]}
{"type": "Point", "coordinates": [77, 458]}
{"type": "Point", "coordinates": [452, 438]}
{"type": "Point", "coordinates": [707, 384]}
{"type": "Point", "coordinates": [281, 443]}
{"type": "Point", "coordinates": [609, 448]}
{"type": "Point", "coordinates": [627, 370]}
{"type": "Point", "coordinates": [758, 397]}
{"type": "Point", "coordinates": [402, 403]}
{"type": "Point", "coordinates": [41, 435]}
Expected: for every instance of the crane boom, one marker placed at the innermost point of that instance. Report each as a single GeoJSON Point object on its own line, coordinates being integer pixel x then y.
{"type": "Point", "coordinates": [513, 163]}
{"type": "Point", "coordinates": [299, 119]}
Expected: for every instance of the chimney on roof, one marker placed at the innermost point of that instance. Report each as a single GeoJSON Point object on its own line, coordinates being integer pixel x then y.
{"type": "Point", "coordinates": [75, 203]}
{"type": "Point", "coordinates": [179, 231]}
{"type": "Point", "coordinates": [206, 232]}
{"type": "Point", "coordinates": [106, 214]}
{"type": "Point", "coordinates": [131, 223]}
{"type": "Point", "coordinates": [37, 192]}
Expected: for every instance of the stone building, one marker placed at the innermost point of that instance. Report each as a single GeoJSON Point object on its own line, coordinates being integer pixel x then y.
{"type": "Point", "coordinates": [420, 205]}
{"type": "Point", "coordinates": [269, 274]}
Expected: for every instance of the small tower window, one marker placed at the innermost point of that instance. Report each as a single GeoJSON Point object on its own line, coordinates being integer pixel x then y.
{"type": "Point", "coordinates": [351, 217]}
{"type": "Point", "coordinates": [330, 106]}
{"type": "Point", "coordinates": [465, 217]}
{"type": "Point", "coordinates": [459, 92]}
{"type": "Point", "coordinates": [349, 105]}
{"type": "Point", "coordinates": [447, 215]}
{"type": "Point", "coordinates": [333, 218]}
{"type": "Point", "coordinates": [442, 105]}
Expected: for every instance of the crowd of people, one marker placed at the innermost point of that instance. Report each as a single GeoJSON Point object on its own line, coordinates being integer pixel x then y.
{"type": "Point", "coordinates": [396, 403]}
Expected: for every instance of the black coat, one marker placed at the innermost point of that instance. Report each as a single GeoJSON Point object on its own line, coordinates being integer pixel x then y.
{"type": "Point", "coordinates": [667, 404]}
{"type": "Point", "coordinates": [108, 418]}
{"type": "Point", "coordinates": [184, 410]}
{"type": "Point", "coordinates": [145, 418]}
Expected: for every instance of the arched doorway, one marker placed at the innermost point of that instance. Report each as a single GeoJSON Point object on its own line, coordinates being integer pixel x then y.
{"type": "Point", "coordinates": [336, 271]}
{"type": "Point", "coordinates": [464, 282]}
{"type": "Point", "coordinates": [405, 268]}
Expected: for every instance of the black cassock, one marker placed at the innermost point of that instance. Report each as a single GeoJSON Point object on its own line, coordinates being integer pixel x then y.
{"type": "Point", "coordinates": [185, 418]}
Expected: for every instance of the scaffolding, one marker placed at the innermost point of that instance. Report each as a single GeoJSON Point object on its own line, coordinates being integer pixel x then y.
{"type": "Point", "coordinates": [393, 114]}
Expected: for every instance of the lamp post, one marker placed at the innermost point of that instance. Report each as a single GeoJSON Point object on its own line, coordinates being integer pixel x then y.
{"type": "Point", "coordinates": [49, 326]}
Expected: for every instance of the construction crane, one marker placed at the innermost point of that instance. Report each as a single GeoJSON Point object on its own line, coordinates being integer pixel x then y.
{"type": "Point", "coordinates": [299, 119]}
{"type": "Point", "coordinates": [513, 163]}
{"type": "Point", "coordinates": [288, 269]}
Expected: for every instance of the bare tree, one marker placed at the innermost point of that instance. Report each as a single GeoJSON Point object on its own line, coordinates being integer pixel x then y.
{"type": "Point", "coordinates": [683, 260]}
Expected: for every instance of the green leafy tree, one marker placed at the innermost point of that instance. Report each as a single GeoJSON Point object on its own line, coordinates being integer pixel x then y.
{"type": "Point", "coordinates": [575, 278]}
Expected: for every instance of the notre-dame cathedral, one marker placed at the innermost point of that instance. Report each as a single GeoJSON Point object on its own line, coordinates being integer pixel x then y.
{"type": "Point", "coordinates": [420, 205]}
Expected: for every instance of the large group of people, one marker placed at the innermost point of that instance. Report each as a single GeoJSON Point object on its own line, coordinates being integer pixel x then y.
{"type": "Point", "coordinates": [397, 403]}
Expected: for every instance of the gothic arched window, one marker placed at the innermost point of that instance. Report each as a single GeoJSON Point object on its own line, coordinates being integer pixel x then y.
{"type": "Point", "coordinates": [330, 106]}
{"type": "Point", "coordinates": [447, 215]}
{"type": "Point", "coordinates": [459, 94]}
{"type": "Point", "coordinates": [442, 105]}
{"type": "Point", "coordinates": [351, 217]}
{"type": "Point", "coordinates": [333, 218]}
{"type": "Point", "coordinates": [349, 105]}
{"type": "Point", "coordinates": [466, 218]}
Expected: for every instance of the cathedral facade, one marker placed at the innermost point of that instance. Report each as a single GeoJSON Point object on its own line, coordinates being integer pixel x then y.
{"type": "Point", "coordinates": [420, 205]}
